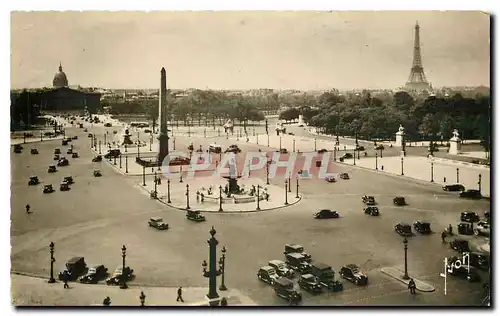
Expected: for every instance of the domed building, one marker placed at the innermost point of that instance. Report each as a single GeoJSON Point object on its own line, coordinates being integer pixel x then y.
{"type": "Point", "coordinates": [60, 79]}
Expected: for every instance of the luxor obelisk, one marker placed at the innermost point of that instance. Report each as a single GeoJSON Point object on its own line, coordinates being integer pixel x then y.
{"type": "Point", "coordinates": [163, 118]}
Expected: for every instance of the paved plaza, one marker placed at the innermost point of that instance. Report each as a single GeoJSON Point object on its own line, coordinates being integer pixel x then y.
{"type": "Point", "coordinates": [99, 215]}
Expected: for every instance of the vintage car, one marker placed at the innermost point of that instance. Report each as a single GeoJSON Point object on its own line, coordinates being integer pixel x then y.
{"type": "Point", "coordinates": [285, 288]}
{"type": "Point", "coordinates": [470, 217]}
{"type": "Point", "coordinates": [294, 248]}
{"type": "Point", "coordinates": [69, 151]}
{"type": "Point", "coordinates": [177, 161]}
{"type": "Point", "coordinates": [52, 169]}
{"type": "Point", "coordinates": [34, 151]}
{"type": "Point", "coordinates": [465, 228]}
{"type": "Point", "coordinates": [63, 162]}
{"type": "Point", "coordinates": [97, 173]}
{"type": "Point", "coordinates": [158, 223]}
{"type": "Point", "coordinates": [48, 188]}
{"type": "Point", "coordinates": [18, 148]}
{"type": "Point", "coordinates": [214, 148]}
{"type": "Point", "coordinates": [74, 137]}
{"type": "Point", "coordinates": [463, 271]}
{"type": "Point", "coordinates": [330, 179]}
{"type": "Point", "coordinates": [64, 186]}
{"type": "Point", "coordinates": [33, 180]}
{"type": "Point", "coordinates": [310, 283]}
{"type": "Point", "coordinates": [97, 158]}
{"type": "Point", "coordinates": [85, 130]}
{"type": "Point", "coordinates": [268, 274]}
{"type": "Point", "coordinates": [322, 214]}
{"type": "Point", "coordinates": [233, 149]}
{"type": "Point", "coordinates": [57, 151]}
{"type": "Point", "coordinates": [460, 245]}
{"type": "Point", "coordinates": [90, 135]}
{"type": "Point", "coordinates": [453, 187]}
{"type": "Point", "coordinates": [379, 147]}
{"type": "Point", "coordinates": [371, 210]}
{"type": "Point", "coordinates": [68, 180]}
{"type": "Point", "coordinates": [108, 125]}
{"type": "Point", "coordinates": [482, 228]}
{"type": "Point", "coordinates": [118, 275]}
{"type": "Point", "coordinates": [281, 268]}
{"type": "Point", "coordinates": [360, 148]}
{"type": "Point", "coordinates": [403, 229]}
{"type": "Point", "coordinates": [113, 153]}
{"type": "Point", "coordinates": [75, 155]}
{"type": "Point", "coordinates": [115, 132]}
{"type": "Point", "coordinates": [57, 157]}
{"type": "Point", "coordinates": [422, 227]}
{"type": "Point", "coordinates": [352, 273]}
{"type": "Point", "coordinates": [326, 276]}
{"type": "Point", "coordinates": [344, 175]}
{"type": "Point", "coordinates": [64, 142]}
{"type": "Point", "coordinates": [298, 262]}
{"type": "Point", "coordinates": [195, 216]}
{"type": "Point", "coordinates": [322, 150]}
{"type": "Point", "coordinates": [471, 194]}
{"type": "Point", "coordinates": [368, 200]}
{"type": "Point", "coordinates": [283, 151]}
{"type": "Point", "coordinates": [399, 200]}
{"type": "Point", "coordinates": [75, 267]}
{"type": "Point", "coordinates": [95, 274]}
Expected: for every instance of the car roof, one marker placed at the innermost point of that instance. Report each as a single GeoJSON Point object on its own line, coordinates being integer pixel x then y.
{"type": "Point", "coordinates": [75, 259]}
{"type": "Point", "coordinates": [295, 255]}
{"type": "Point", "coordinates": [321, 266]}
{"type": "Point", "coordinates": [267, 268]}
{"type": "Point", "coordinates": [156, 218]}
{"type": "Point", "coordinates": [403, 224]}
{"type": "Point", "coordinates": [293, 246]}
{"type": "Point", "coordinates": [276, 262]}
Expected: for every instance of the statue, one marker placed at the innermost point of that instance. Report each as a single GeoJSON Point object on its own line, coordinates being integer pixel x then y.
{"type": "Point", "coordinates": [401, 128]}
{"type": "Point", "coordinates": [455, 133]}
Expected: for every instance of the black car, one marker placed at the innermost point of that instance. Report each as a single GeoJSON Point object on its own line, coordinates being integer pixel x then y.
{"type": "Point", "coordinates": [52, 169]}
{"type": "Point", "coordinates": [57, 157]}
{"type": "Point", "coordinates": [63, 162]}
{"type": "Point", "coordinates": [399, 200]}
{"type": "Point", "coordinates": [107, 125]}
{"type": "Point", "coordinates": [465, 229]}
{"type": "Point", "coordinates": [360, 148]}
{"type": "Point", "coordinates": [403, 229]}
{"type": "Point", "coordinates": [33, 180]}
{"type": "Point", "coordinates": [233, 149]}
{"type": "Point", "coordinates": [95, 274]}
{"type": "Point", "coordinates": [285, 288]}
{"type": "Point", "coordinates": [97, 158]}
{"type": "Point", "coordinates": [48, 188]}
{"type": "Point", "coordinates": [298, 262]}
{"type": "Point", "coordinates": [479, 260]}
{"type": "Point", "coordinates": [268, 274]}
{"type": "Point", "coordinates": [281, 268]}
{"type": "Point", "coordinates": [371, 210]}
{"type": "Point", "coordinates": [422, 227]}
{"type": "Point", "coordinates": [453, 187]}
{"type": "Point", "coordinates": [57, 151]}
{"type": "Point", "coordinates": [118, 275]}
{"type": "Point", "coordinates": [470, 217]}
{"type": "Point", "coordinates": [326, 276]}
{"type": "Point", "coordinates": [464, 272]}
{"type": "Point", "coordinates": [195, 216]}
{"type": "Point", "coordinates": [309, 283]}
{"type": "Point", "coordinates": [472, 194]}
{"type": "Point", "coordinates": [352, 273]}
{"type": "Point", "coordinates": [368, 200]}
{"type": "Point", "coordinates": [346, 156]}
{"type": "Point", "coordinates": [326, 214]}
{"type": "Point", "coordinates": [113, 153]}
{"type": "Point", "coordinates": [75, 155]}
{"type": "Point", "coordinates": [322, 151]}
{"type": "Point", "coordinates": [294, 248]}
{"type": "Point", "coordinates": [75, 267]}
{"type": "Point", "coordinates": [460, 245]}
{"type": "Point", "coordinates": [34, 151]}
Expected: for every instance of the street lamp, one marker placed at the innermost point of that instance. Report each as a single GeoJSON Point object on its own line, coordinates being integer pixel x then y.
{"type": "Point", "coordinates": [267, 140]}
{"type": "Point", "coordinates": [258, 198]}
{"type": "Point", "coordinates": [144, 175]}
{"type": "Point", "coordinates": [280, 143]}
{"type": "Point", "coordinates": [354, 156]}
{"type": "Point", "coordinates": [479, 183]}
{"type": "Point", "coordinates": [187, 197]}
{"type": "Point", "coordinates": [267, 171]}
{"type": "Point", "coordinates": [180, 181]}
{"type": "Point", "coordinates": [124, 276]}
{"type": "Point", "coordinates": [105, 142]}
{"type": "Point", "coordinates": [120, 160]}
{"type": "Point", "coordinates": [212, 273]}
{"type": "Point", "coordinates": [114, 161]}
{"type": "Point", "coordinates": [174, 143]}
{"type": "Point", "coordinates": [168, 191]}
{"type": "Point", "coordinates": [99, 147]}
{"type": "Point", "coordinates": [222, 267]}
{"type": "Point", "coordinates": [376, 161]}
{"type": "Point", "coordinates": [458, 175]}
{"type": "Point", "coordinates": [150, 142]}
{"type": "Point", "coordinates": [402, 173]}
{"type": "Point", "coordinates": [52, 260]}
{"type": "Point", "coordinates": [286, 192]}
{"type": "Point", "coordinates": [314, 144]}
{"type": "Point", "coordinates": [405, 242]}
{"type": "Point", "coordinates": [294, 145]}
{"type": "Point", "coordinates": [138, 149]}
{"type": "Point", "coordinates": [220, 198]}
{"type": "Point", "coordinates": [156, 185]}
{"type": "Point", "coordinates": [432, 171]}
{"type": "Point", "coordinates": [142, 298]}
{"type": "Point", "coordinates": [335, 153]}
{"type": "Point", "coordinates": [289, 184]}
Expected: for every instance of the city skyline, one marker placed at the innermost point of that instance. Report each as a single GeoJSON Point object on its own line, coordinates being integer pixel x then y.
{"type": "Point", "coordinates": [248, 50]}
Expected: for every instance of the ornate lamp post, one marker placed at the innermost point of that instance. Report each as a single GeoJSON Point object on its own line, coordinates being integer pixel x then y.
{"type": "Point", "coordinates": [212, 273]}
{"type": "Point", "coordinates": [180, 181]}
{"type": "Point", "coordinates": [144, 175]}
{"type": "Point", "coordinates": [105, 139]}
{"type": "Point", "coordinates": [41, 136]}
{"type": "Point", "coordinates": [174, 143]}
{"type": "Point", "coordinates": [381, 150]}
{"type": "Point", "coordinates": [156, 185]}
{"type": "Point", "coordinates": [138, 149]}
{"type": "Point", "coordinates": [222, 267]}
{"type": "Point", "coordinates": [99, 147]}
{"type": "Point", "coordinates": [335, 153]}
{"type": "Point", "coordinates": [267, 171]}
{"type": "Point", "coordinates": [479, 183]}
{"type": "Point", "coordinates": [358, 153]}
{"type": "Point", "coordinates": [405, 242]}
{"type": "Point", "coordinates": [315, 144]}
{"type": "Point", "coordinates": [289, 184]}
{"type": "Point", "coordinates": [168, 191]}
{"type": "Point", "coordinates": [458, 175]}
{"type": "Point", "coordinates": [294, 145]}
{"type": "Point", "coordinates": [267, 140]}
{"type": "Point", "coordinates": [126, 164]}
{"type": "Point", "coordinates": [402, 162]}
{"type": "Point", "coordinates": [220, 198]}
{"type": "Point", "coordinates": [376, 161]}
{"type": "Point", "coordinates": [258, 198]}
{"type": "Point", "coordinates": [150, 143]}
{"type": "Point", "coordinates": [142, 298]}
{"type": "Point", "coordinates": [114, 161]}
{"type": "Point", "coordinates": [124, 277]}
{"type": "Point", "coordinates": [187, 197]}
{"type": "Point", "coordinates": [432, 171]}
{"type": "Point", "coordinates": [297, 191]}
{"type": "Point", "coordinates": [354, 156]}
{"type": "Point", "coordinates": [280, 143]}
{"type": "Point", "coordinates": [125, 147]}
{"type": "Point", "coordinates": [286, 192]}
{"type": "Point", "coordinates": [52, 260]}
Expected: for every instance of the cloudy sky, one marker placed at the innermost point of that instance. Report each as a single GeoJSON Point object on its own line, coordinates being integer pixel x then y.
{"type": "Point", "coordinates": [244, 50]}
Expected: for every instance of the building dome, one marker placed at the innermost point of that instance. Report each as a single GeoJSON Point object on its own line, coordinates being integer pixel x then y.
{"type": "Point", "coordinates": [60, 79]}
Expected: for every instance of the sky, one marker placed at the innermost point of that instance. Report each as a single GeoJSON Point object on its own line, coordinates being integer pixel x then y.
{"type": "Point", "coordinates": [249, 50]}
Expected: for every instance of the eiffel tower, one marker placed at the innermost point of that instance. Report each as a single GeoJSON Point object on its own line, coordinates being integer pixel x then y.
{"type": "Point", "coordinates": [417, 81]}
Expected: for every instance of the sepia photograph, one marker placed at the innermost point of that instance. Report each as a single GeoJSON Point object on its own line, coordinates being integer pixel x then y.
{"type": "Point", "coordinates": [250, 158]}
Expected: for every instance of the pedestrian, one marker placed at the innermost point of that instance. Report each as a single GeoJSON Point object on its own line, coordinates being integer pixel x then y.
{"type": "Point", "coordinates": [106, 301]}
{"type": "Point", "coordinates": [443, 237]}
{"type": "Point", "coordinates": [412, 286]}
{"type": "Point", "coordinates": [28, 209]}
{"type": "Point", "coordinates": [450, 229]}
{"type": "Point", "coordinates": [223, 302]}
{"type": "Point", "coordinates": [66, 277]}
{"type": "Point", "coordinates": [179, 294]}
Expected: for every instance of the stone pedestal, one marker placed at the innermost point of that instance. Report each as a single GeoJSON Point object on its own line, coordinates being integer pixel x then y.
{"type": "Point", "coordinates": [455, 146]}
{"type": "Point", "coordinates": [301, 120]}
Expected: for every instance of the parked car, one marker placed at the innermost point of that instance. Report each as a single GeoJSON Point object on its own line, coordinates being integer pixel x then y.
{"type": "Point", "coordinates": [48, 188]}
{"type": "Point", "coordinates": [285, 288]}
{"type": "Point", "coordinates": [360, 148]}
{"type": "Point", "coordinates": [298, 262]}
{"type": "Point", "coordinates": [330, 179]}
{"type": "Point", "coordinates": [403, 229]}
{"type": "Point", "coordinates": [399, 200]}
{"type": "Point", "coordinates": [371, 210]}
{"type": "Point", "coordinates": [465, 229]}
{"type": "Point", "coordinates": [34, 151]}
{"type": "Point", "coordinates": [68, 180]}
{"type": "Point", "coordinates": [33, 180]}
{"type": "Point", "coordinates": [422, 227]}
{"type": "Point", "coordinates": [464, 272]}
{"type": "Point", "coordinates": [64, 142]}
{"type": "Point", "coordinates": [97, 173]}
{"type": "Point", "coordinates": [479, 260]}
{"type": "Point", "coordinates": [472, 194]}
{"type": "Point", "coordinates": [214, 148]}
{"type": "Point", "coordinates": [268, 274]}
{"type": "Point", "coordinates": [63, 162]}
{"type": "Point", "coordinates": [113, 153]}
{"type": "Point", "coordinates": [95, 274]}
{"type": "Point", "coordinates": [326, 276]}
{"type": "Point", "coordinates": [351, 272]}
{"type": "Point", "coordinates": [70, 151]}
{"type": "Point", "coordinates": [322, 214]}
{"type": "Point", "coordinates": [310, 283]}
{"type": "Point", "coordinates": [75, 267]}
{"type": "Point", "coordinates": [233, 149]}
{"type": "Point", "coordinates": [74, 138]}
{"type": "Point", "coordinates": [52, 169]}
{"type": "Point", "coordinates": [482, 228]}
{"type": "Point", "coordinates": [57, 151]}
{"type": "Point", "coordinates": [97, 158]}
{"type": "Point", "coordinates": [176, 161]}
{"type": "Point", "coordinates": [346, 156]}
{"type": "Point", "coordinates": [118, 275]}
{"type": "Point", "coordinates": [108, 125]}
{"type": "Point", "coordinates": [89, 135]}
{"type": "Point", "coordinates": [470, 217]}
{"type": "Point", "coordinates": [294, 248]}
{"type": "Point", "coordinates": [368, 200]}
{"type": "Point", "coordinates": [453, 187]}
{"type": "Point", "coordinates": [283, 151]}
{"type": "Point", "coordinates": [281, 268]}
{"type": "Point", "coordinates": [64, 186]}
{"type": "Point", "coordinates": [18, 149]}
{"type": "Point", "coordinates": [460, 245]}
{"type": "Point", "coordinates": [158, 223]}
{"type": "Point", "coordinates": [344, 176]}
{"type": "Point", "coordinates": [75, 155]}
{"type": "Point", "coordinates": [195, 216]}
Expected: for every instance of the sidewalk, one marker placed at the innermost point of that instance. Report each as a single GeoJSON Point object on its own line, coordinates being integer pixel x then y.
{"type": "Point", "coordinates": [31, 140]}
{"type": "Point", "coordinates": [30, 291]}
{"type": "Point", "coordinates": [397, 274]}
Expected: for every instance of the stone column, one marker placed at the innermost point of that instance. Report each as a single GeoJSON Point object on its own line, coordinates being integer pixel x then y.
{"type": "Point", "coordinates": [400, 140]}
{"type": "Point", "coordinates": [163, 117]}
{"type": "Point", "coordinates": [455, 144]}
